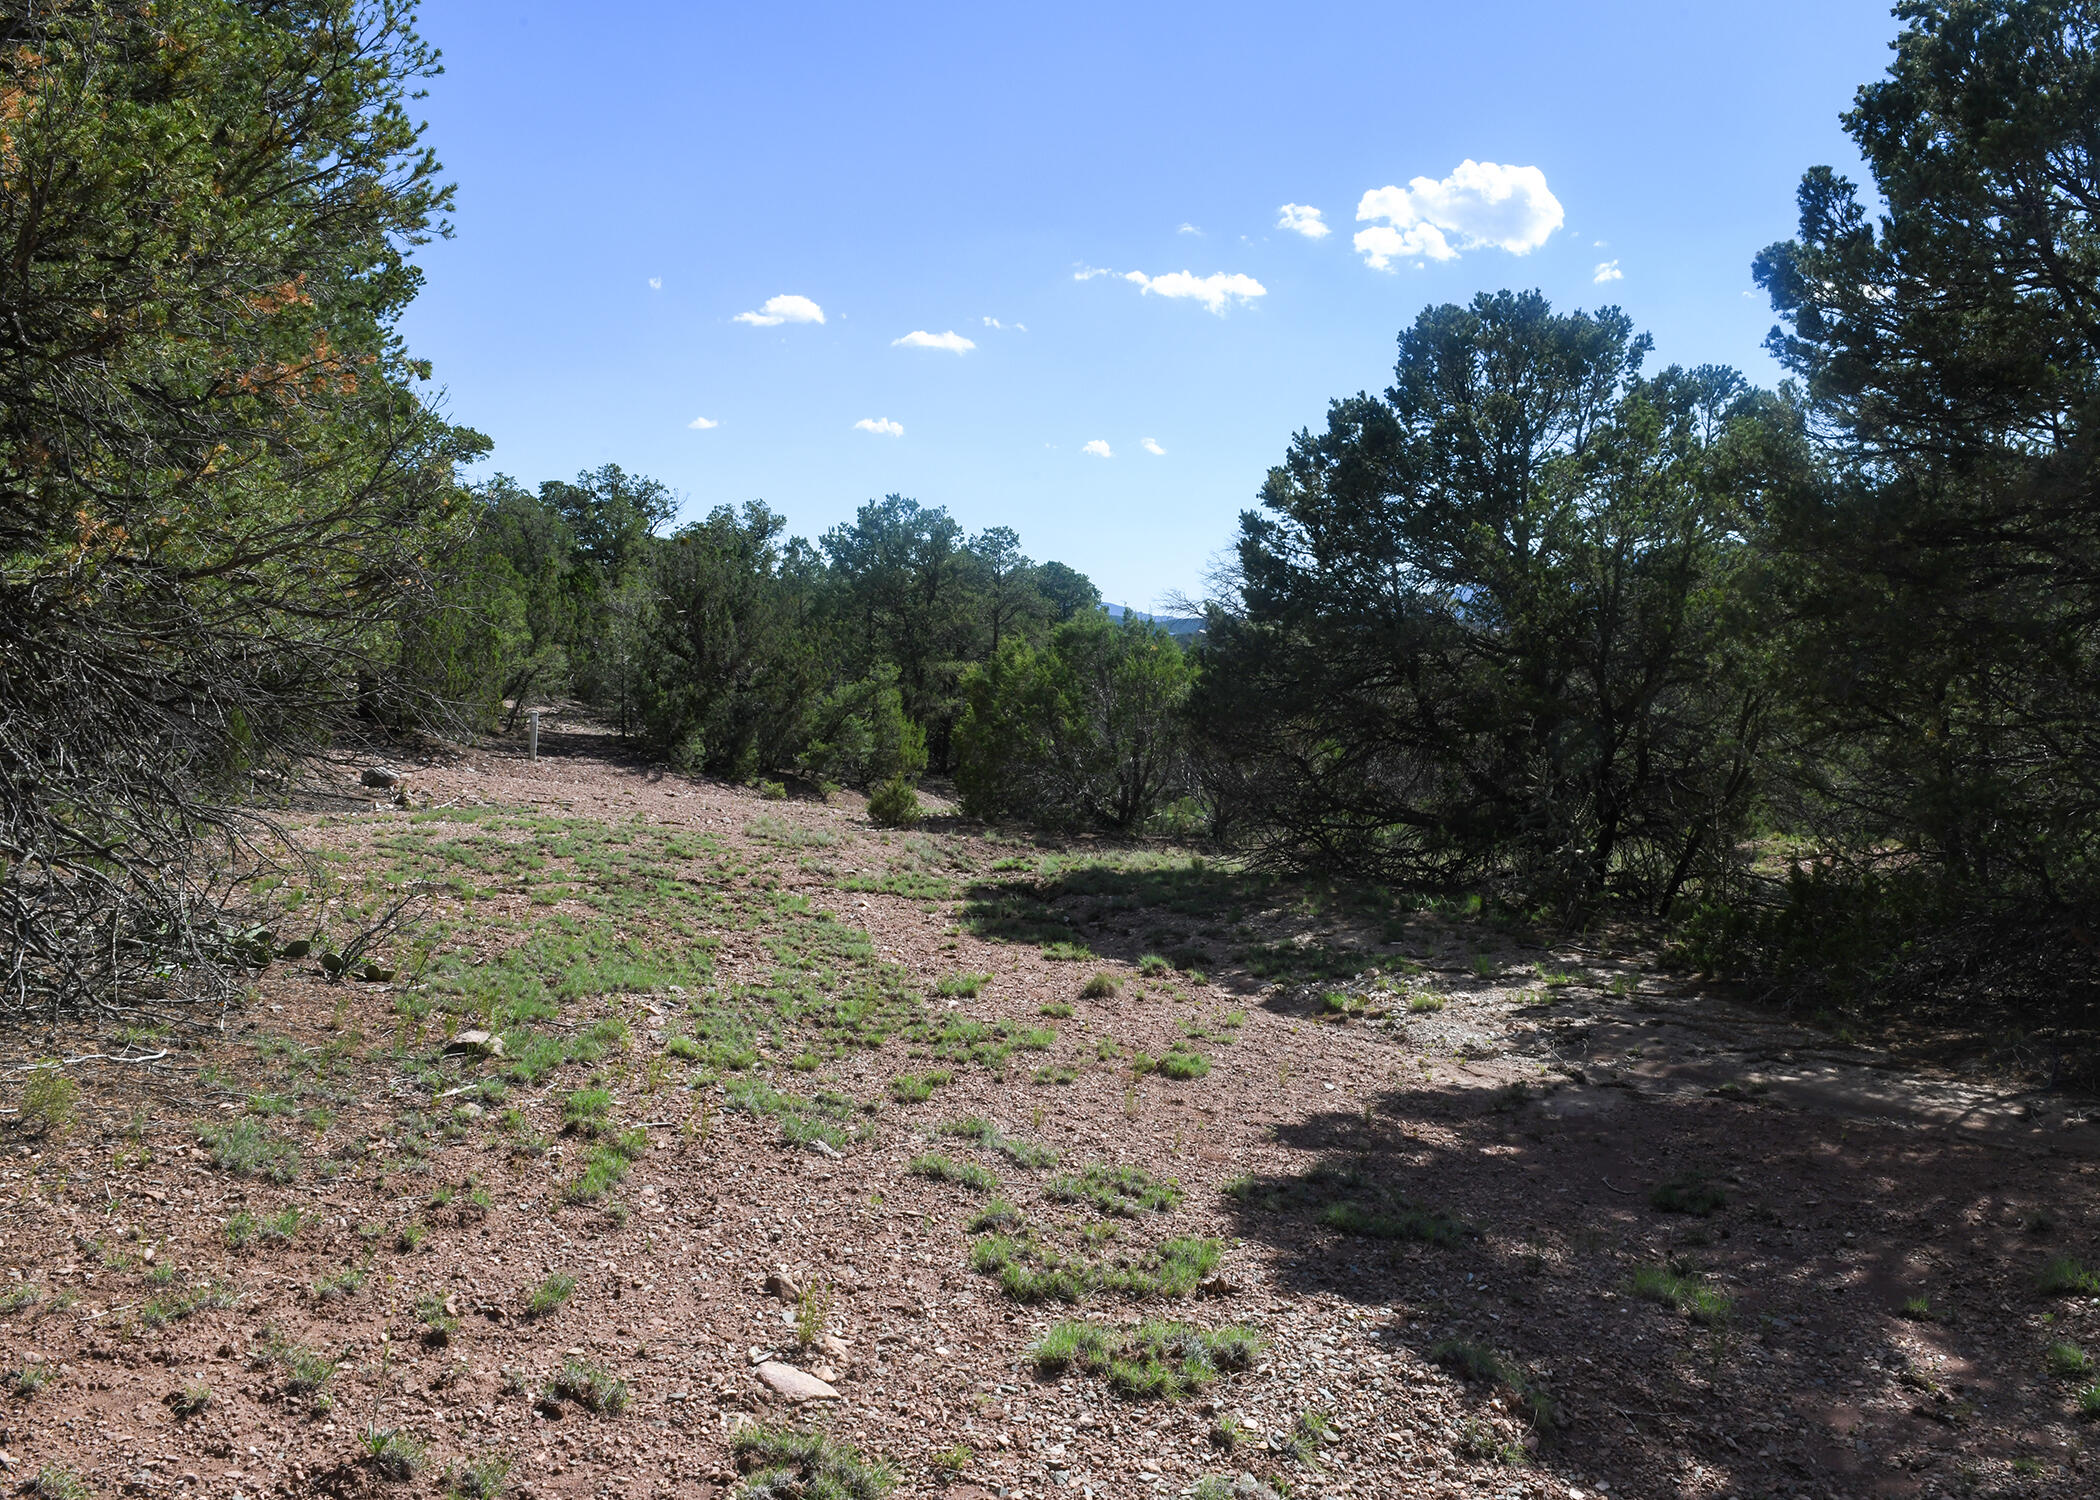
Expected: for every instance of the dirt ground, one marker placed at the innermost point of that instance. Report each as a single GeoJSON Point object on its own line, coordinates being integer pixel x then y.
{"type": "Point", "coordinates": [1505, 1220]}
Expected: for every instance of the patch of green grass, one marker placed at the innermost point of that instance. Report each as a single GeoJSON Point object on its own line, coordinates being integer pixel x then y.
{"type": "Point", "coordinates": [1395, 1222]}
{"type": "Point", "coordinates": [1057, 1010]}
{"type": "Point", "coordinates": [247, 1148]}
{"type": "Point", "coordinates": [338, 1285]}
{"type": "Point", "coordinates": [1477, 1364]}
{"type": "Point", "coordinates": [550, 1295]}
{"type": "Point", "coordinates": [917, 1088]}
{"type": "Point", "coordinates": [483, 1479]}
{"type": "Point", "coordinates": [28, 1294]}
{"type": "Point", "coordinates": [2088, 1402]}
{"type": "Point", "coordinates": [586, 1111]}
{"type": "Point", "coordinates": [1123, 1191]}
{"type": "Point", "coordinates": [306, 1371]}
{"type": "Point", "coordinates": [1100, 987]}
{"type": "Point", "coordinates": [192, 1397]}
{"type": "Point", "coordinates": [1032, 1038]}
{"type": "Point", "coordinates": [1688, 1193]}
{"type": "Point", "coordinates": [1918, 1309]}
{"type": "Point", "coordinates": [26, 1379]}
{"type": "Point", "coordinates": [1684, 1292]}
{"type": "Point", "coordinates": [1153, 966]}
{"type": "Point", "coordinates": [942, 1168]}
{"type": "Point", "coordinates": [2067, 1277]}
{"type": "Point", "coordinates": [1423, 1002]}
{"type": "Point", "coordinates": [1067, 952]}
{"type": "Point", "coordinates": [589, 1386]}
{"type": "Point", "coordinates": [1182, 1065]}
{"type": "Point", "coordinates": [282, 1227]}
{"type": "Point", "coordinates": [2066, 1361]}
{"type": "Point", "coordinates": [1154, 1361]}
{"type": "Point", "coordinates": [996, 1214]}
{"type": "Point", "coordinates": [804, 1464]}
{"type": "Point", "coordinates": [439, 1323]}
{"type": "Point", "coordinates": [962, 986]}
{"type": "Point", "coordinates": [392, 1454]}
{"type": "Point", "coordinates": [55, 1483]}
{"type": "Point", "coordinates": [1055, 1074]}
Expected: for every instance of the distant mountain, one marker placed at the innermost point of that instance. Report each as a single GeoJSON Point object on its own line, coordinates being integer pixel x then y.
{"type": "Point", "coordinates": [1181, 627]}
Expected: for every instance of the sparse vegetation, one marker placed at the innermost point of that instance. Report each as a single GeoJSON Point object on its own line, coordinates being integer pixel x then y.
{"type": "Point", "coordinates": [550, 1295]}
{"type": "Point", "coordinates": [942, 1168]}
{"type": "Point", "coordinates": [1154, 1361]}
{"type": "Point", "coordinates": [1678, 1288]}
{"type": "Point", "coordinates": [789, 1464]}
{"type": "Point", "coordinates": [1127, 1191]}
{"type": "Point", "coordinates": [589, 1386]}
{"type": "Point", "coordinates": [392, 1454]}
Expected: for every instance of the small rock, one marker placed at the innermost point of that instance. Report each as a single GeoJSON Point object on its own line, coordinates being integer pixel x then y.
{"type": "Point", "coordinates": [783, 1286]}
{"type": "Point", "coordinates": [475, 1044]}
{"type": "Point", "coordinates": [796, 1385]}
{"type": "Point", "coordinates": [826, 1374]}
{"type": "Point", "coordinates": [379, 776]}
{"type": "Point", "coordinates": [825, 1148]}
{"type": "Point", "coordinates": [1247, 1487]}
{"type": "Point", "coordinates": [471, 1111]}
{"type": "Point", "coordinates": [1219, 1286]}
{"type": "Point", "coordinates": [835, 1346]}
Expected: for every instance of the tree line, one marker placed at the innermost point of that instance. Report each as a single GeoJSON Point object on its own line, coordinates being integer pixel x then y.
{"type": "Point", "coordinates": [1808, 674]}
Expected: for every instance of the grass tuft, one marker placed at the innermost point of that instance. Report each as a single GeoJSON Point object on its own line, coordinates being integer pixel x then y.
{"type": "Point", "coordinates": [784, 1463]}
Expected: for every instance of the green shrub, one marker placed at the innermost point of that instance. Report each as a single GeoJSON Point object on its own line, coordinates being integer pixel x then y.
{"type": "Point", "coordinates": [1100, 987]}
{"type": "Point", "coordinates": [894, 804]}
{"type": "Point", "coordinates": [49, 1099]}
{"type": "Point", "coordinates": [2066, 1277]}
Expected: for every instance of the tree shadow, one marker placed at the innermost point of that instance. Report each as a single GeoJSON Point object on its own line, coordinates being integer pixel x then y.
{"type": "Point", "coordinates": [1498, 1217]}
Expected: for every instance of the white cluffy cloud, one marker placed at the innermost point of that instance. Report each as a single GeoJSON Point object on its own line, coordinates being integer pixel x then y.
{"type": "Point", "coordinates": [882, 425]}
{"type": "Point", "coordinates": [656, 283]}
{"type": "Point", "coordinates": [919, 338]}
{"type": "Point", "coordinates": [783, 309]}
{"type": "Point", "coordinates": [1482, 205]}
{"type": "Point", "coordinates": [1189, 229]}
{"type": "Point", "coordinates": [1303, 218]}
{"type": "Point", "coordinates": [1608, 271]}
{"type": "Point", "coordinates": [701, 424]}
{"type": "Point", "coordinates": [1097, 448]}
{"type": "Point", "coordinates": [1016, 327]}
{"type": "Point", "coordinates": [1216, 292]}
{"type": "Point", "coordinates": [1151, 446]}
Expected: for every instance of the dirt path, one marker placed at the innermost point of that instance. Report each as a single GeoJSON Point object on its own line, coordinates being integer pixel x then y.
{"type": "Point", "coordinates": [1494, 1220]}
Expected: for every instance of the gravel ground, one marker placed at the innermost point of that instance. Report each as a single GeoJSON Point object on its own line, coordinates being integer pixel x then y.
{"type": "Point", "coordinates": [1500, 1116]}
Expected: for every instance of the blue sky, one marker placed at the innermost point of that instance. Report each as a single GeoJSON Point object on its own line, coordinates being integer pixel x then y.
{"type": "Point", "coordinates": [633, 177]}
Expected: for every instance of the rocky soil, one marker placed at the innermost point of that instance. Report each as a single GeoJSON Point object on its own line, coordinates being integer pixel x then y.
{"type": "Point", "coordinates": [1501, 1219]}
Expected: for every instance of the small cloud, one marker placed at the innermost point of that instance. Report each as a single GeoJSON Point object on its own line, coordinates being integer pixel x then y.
{"type": "Point", "coordinates": [1600, 244]}
{"type": "Point", "coordinates": [702, 424]}
{"type": "Point", "coordinates": [1608, 271]}
{"type": "Point", "coordinates": [1216, 292]}
{"type": "Point", "coordinates": [1004, 327]}
{"type": "Point", "coordinates": [1301, 218]}
{"type": "Point", "coordinates": [882, 425]}
{"type": "Point", "coordinates": [1097, 448]}
{"type": "Point", "coordinates": [1190, 229]}
{"type": "Point", "coordinates": [656, 283]}
{"type": "Point", "coordinates": [993, 323]}
{"type": "Point", "coordinates": [919, 338]}
{"type": "Point", "coordinates": [783, 309]}
{"type": "Point", "coordinates": [1088, 273]}
{"type": "Point", "coordinates": [1151, 446]}
{"type": "Point", "coordinates": [1481, 205]}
